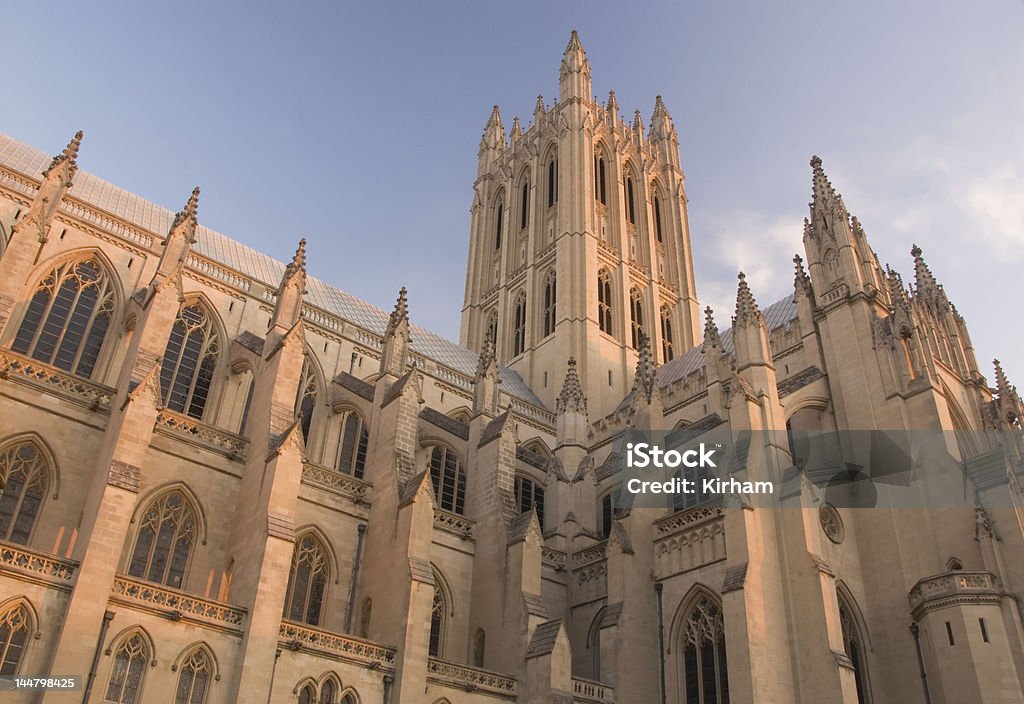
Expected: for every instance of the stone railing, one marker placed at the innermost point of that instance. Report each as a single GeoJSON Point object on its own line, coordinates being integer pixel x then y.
{"type": "Point", "coordinates": [297, 636]}
{"type": "Point", "coordinates": [178, 425]}
{"type": "Point", "coordinates": [552, 558]}
{"type": "Point", "coordinates": [453, 377]}
{"type": "Point", "coordinates": [17, 182]}
{"type": "Point", "coordinates": [531, 411]}
{"type": "Point", "coordinates": [453, 523]}
{"type": "Point", "coordinates": [348, 486]}
{"type": "Point", "coordinates": [78, 209]}
{"type": "Point", "coordinates": [213, 270]}
{"type": "Point", "coordinates": [374, 342]}
{"type": "Point", "coordinates": [686, 518]}
{"type": "Point", "coordinates": [588, 691]}
{"type": "Point", "coordinates": [471, 678]}
{"type": "Point", "coordinates": [176, 604]}
{"type": "Point", "coordinates": [595, 553]}
{"type": "Point", "coordinates": [953, 587]}
{"type": "Point", "coordinates": [95, 396]}
{"type": "Point", "coordinates": [36, 566]}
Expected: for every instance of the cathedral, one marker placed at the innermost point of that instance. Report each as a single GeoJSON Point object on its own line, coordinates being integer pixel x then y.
{"type": "Point", "coordinates": [226, 481]}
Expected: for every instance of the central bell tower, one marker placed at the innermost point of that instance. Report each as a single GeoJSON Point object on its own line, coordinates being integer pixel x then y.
{"type": "Point", "coordinates": [579, 242]}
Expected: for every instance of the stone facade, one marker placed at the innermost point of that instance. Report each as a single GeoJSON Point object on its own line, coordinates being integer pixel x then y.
{"type": "Point", "coordinates": [226, 481]}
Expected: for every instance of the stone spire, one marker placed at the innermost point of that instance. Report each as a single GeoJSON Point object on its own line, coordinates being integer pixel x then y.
{"type": "Point", "coordinates": [574, 74]}
{"type": "Point", "coordinates": [485, 381]}
{"type": "Point", "coordinates": [538, 110]}
{"type": "Point", "coordinates": [823, 194]}
{"type": "Point", "coordinates": [395, 351]}
{"type": "Point", "coordinates": [492, 142]}
{"type": "Point", "coordinates": [712, 338]}
{"type": "Point", "coordinates": [517, 130]}
{"type": "Point", "coordinates": [288, 307]}
{"type": "Point", "coordinates": [645, 382]}
{"type": "Point", "coordinates": [638, 127]}
{"type": "Point", "coordinates": [1008, 402]}
{"type": "Point", "coordinates": [925, 285]}
{"type": "Point", "coordinates": [68, 159]}
{"type": "Point", "coordinates": [178, 242]}
{"type": "Point", "coordinates": [747, 312]}
{"type": "Point", "coordinates": [612, 106]}
{"type": "Point", "coordinates": [571, 399]}
{"type": "Point", "coordinates": [661, 121]}
{"type": "Point", "coordinates": [801, 281]}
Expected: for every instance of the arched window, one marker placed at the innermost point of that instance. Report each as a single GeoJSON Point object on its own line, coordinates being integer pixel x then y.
{"type": "Point", "coordinates": [550, 298]}
{"type": "Point", "coordinates": [328, 693]}
{"type": "Point", "coordinates": [519, 328]}
{"type": "Point", "coordinates": [657, 219]}
{"type": "Point", "coordinates": [438, 617]}
{"type": "Point", "coordinates": [630, 201]}
{"type": "Point", "coordinates": [499, 217]}
{"type": "Point", "coordinates": [524, 207]}
{"type": "Point", "coordinates": [68, 317]}
{"type": "Point", "coordinates": [667, 341]}
{"type": "Point", "coordinates": [130, 658]}
{"type": "Point", "coordinates": [552, 182]}
{"type": "Point", "coordinates": [25, 477]}
{"type": "Point", "coordinates": [449, 480]}
{"type": "Point", "coordinates": [354, 440]}
{"type": "Point", "coordinates": [607, 514]}
{"type": "Point", "coordinates": [15, 624]}
{"type": "Point", "coordinates": [307, 695]}
{"type": "Point", "coordinates": [600, 193]}
{"type": "Point", "coordinates": [194, 678]}
{"type": "Point", "coordinates": [305, 402]}
{"type": "Point", "coordinates": [604, 301]}
{"type": "Point", "coordinates": [636, 315]}
{"type": "Point", "coordinates": [189, 361]}
{"type": "Point", "coordinates": [705, 674]}
{"type": "Point", "coordinates": [853, 644]}
{"type": "Point", "coordinates": [307, 582]}
{"type": "Point", "coordinates": [167, 532]}
{"type": "Point", "coordinates": [530, 494]}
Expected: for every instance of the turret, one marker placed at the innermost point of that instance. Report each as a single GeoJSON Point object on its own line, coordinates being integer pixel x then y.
{"type": "Point", "coordinates": [574, 76]}
{"type": "Point", "coordinates": [571, 406]}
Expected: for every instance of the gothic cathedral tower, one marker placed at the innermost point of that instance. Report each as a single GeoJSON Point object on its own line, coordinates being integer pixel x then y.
{"type": "Point", "coordinates": [579, 242]}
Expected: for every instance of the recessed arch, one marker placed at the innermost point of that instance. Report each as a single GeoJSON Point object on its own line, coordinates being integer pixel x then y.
{"type": "Point", "coordinates": [197, 668]}
{"type": "Point", "coordinates": [27, 477]}
{"type": "Point", "coordinates": [19, 626]}
{"type": "Point", "coordinates": [132, 653]}
{"type": "Point", "coordinates": [191, 648]}
{"type": "Point", "coordinates": [157, 491]}
{"type": "Point", "coordinates": [332, 556]}
{"type": "Point", "coordinates": [193, 356]}
{"type": "Point", "coordinates": [695, 592]}
{"type": "Point", "coordinates": [309, 576]}
{"type": "Point", "coordinates": [537, 445]}
{"type": "Point", "coordinates": [447, 475]}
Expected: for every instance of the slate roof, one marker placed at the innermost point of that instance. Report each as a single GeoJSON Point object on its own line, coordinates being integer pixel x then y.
{"type": "Point", "coordinates": [776, 315]}
{"type": "Point", "coordinates": [103, 195]}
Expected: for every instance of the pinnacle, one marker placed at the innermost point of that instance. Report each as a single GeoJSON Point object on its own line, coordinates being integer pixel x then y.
{"type": "Point", "coordinates": [486, 359]}
{"type": "Point", "coordinates": [574, 43]}
{"type": "Point", "coordinates": [659, 107]}
{"type": "Point", "coordinates": [69, 155]}
{"type": "Point", "coordinates": [645, 380]}
{"type": "Point", "coordinates": [571, 398]}
{"type": "Point", "coordinates": [540, 105]}
{"type": "Point", "coordinates": [823, 192]}
{"type": "Point", "coordinates": [299, 260]}
{"type": "Point", "coordinates": [711, 335]}
{"type": "Point", "coordinates": [801, 280]}
{"type": "Point", "coordinates": [613, 104]}
{"type": "Point", "coordinates": [190, 211]}
{"type": "Point", "coordinates": [747, 311]}
{"type": "Point", "coordinates": [402, 303]}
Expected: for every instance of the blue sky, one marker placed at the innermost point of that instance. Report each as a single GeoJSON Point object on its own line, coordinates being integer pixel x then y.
{"type": "Point", "coordinates": [356, 125]}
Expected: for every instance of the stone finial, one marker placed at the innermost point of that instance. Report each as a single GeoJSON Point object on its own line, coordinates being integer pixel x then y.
{"type": "Point", "coordinates": [68, 157]}
{"type": "Point", "coordinates": [801, 281]}
{"type": "Point", "coordinates": [638, 123]}
{"type": "Point", "coordinates": [711, 334]}
{"type": "Point", "coordinates": [400, 314]}
{"type": "Point", "coordinates": [925, 284]}
{"type": "Point", "coordinates": [823, 194]}
{"type": "Point", "coordinates": [517, 130]}
{"type": "Point", "coordinates": [188, 215]}
{"type": "Point", "coordinates": [747, 312]}
{"type": "Point", "coordinates": [612, 105]}
{"type": "Point", "coordinates": [297, 266]}
{"type": "Point", "coordinates": [538, 109]}
{"type": "Point", "coordinates": [288, 306]}
{"type": "Point", "coordinates": [574, 45]}
{"type": "Point", "coordinates": [487, 359]}
{"type": "Point", "coordinates": [659, 107]}
{"type": "Point", "coordinates": [571, 398]}
{"type": "Point", "coordinates": [645, 382]}
{"type": "Point", "coordinates": [1002, 384]}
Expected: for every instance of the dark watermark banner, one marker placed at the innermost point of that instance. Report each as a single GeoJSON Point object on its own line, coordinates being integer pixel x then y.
{"type": "Point", "coordinates": [854, 469]}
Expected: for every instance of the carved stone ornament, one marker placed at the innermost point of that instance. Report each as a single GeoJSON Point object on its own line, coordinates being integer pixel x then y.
{"type": "Point", "coordinates": [831, 523]}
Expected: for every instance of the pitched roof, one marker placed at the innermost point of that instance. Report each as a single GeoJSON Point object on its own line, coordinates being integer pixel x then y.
{"type": "Point", "coordinates": [103, 195]}
{"type": "Point", "coordinates": [775, 316]}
